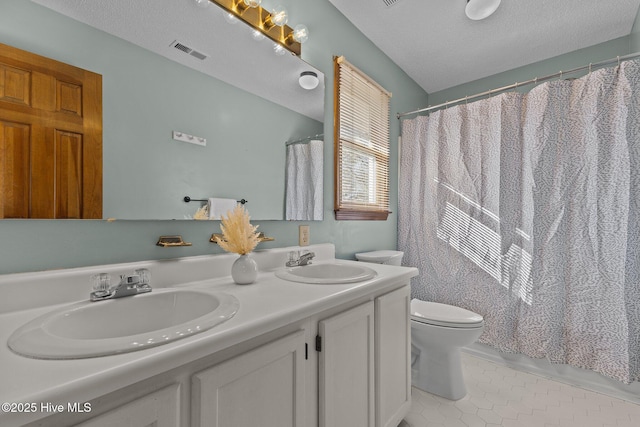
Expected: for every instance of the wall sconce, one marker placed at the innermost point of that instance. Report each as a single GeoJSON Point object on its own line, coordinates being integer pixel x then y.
{"type": "Point", "coordinates": [308, 80]}
{"type": "Point", "coordinates": [271, 24]}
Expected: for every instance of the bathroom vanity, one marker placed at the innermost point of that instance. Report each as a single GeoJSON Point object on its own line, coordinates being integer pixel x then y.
{"type": "Point", "coordinates": [294, 354]}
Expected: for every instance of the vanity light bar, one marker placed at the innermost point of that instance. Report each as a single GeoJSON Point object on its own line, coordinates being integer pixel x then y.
{"type": "Point", "coordinates": [260, 19]}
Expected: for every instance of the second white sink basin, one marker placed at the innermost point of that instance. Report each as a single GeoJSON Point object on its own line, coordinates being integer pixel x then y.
{"type": "Point", "coordinates": [327, 273]}
{"type": "Point", "coordinates": [91, 329]}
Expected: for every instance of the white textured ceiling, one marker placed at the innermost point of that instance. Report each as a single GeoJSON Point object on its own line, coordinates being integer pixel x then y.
{"type": "Point", "coordinates": [232, 55]}
{"type": "Point", "coordinates": [439, 47]}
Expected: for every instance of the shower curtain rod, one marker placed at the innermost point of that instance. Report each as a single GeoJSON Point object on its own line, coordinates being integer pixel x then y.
{"type": "Point", "coordinates": [537, 80]}
{"type": "Point", "coordinates": [305, 140]}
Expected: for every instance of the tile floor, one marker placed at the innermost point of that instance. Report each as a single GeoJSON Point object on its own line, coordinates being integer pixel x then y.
{"type": "Point", "coordinates": [501, 396]}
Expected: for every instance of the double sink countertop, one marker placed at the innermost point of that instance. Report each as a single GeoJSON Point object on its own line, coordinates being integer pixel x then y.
{"type": "Point", "coordinates": [266, 305]}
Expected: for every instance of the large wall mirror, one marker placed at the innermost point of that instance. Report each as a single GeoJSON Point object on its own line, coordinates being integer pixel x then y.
{"type": "Point", "coordinates": [241, 97]}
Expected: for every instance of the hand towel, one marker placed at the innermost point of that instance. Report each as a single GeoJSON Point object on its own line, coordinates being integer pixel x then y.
{"type": "Point", "coordinates": [218, 207]}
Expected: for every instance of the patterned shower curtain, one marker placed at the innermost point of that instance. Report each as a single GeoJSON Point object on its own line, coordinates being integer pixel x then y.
{"type": "Point", "coordinates": [525, 208]}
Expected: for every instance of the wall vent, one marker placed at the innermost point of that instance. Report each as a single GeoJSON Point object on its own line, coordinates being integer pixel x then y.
{"type": "Point", "coordinates": [390, 3]}
{"type": "Point", "coordinates": [186, 49]}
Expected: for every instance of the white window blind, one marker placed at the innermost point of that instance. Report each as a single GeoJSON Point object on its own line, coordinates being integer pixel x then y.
{"type": "Point", "coordinates": [362, 144]}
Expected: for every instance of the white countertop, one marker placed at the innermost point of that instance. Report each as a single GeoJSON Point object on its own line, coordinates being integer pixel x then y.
{"type": "Point", "coordinates": [266, 305]}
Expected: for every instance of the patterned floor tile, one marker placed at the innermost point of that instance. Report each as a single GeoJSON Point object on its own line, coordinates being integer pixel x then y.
{"type": "Point", "coordinates": [499, 396]}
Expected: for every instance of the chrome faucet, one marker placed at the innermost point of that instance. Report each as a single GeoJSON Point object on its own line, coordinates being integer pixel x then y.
{"type": "Point", "coordinates": [130, 284]}
{"type": "Point", "coordinates": [295, 259]}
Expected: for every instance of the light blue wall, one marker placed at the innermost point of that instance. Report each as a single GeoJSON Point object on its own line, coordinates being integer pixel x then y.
{"type": "Point", "coordinates": [600, 52]}
{"type": "Point", "coordinates": [32, 245]}
{"type": "Point", "coordinates": [635, 35]}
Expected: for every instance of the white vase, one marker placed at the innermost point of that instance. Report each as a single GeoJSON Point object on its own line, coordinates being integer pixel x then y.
{"type": "Point", "coordinates": [244, 270]}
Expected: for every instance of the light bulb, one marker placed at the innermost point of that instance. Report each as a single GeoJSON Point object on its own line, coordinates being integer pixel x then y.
{"type": "Point", "coordinates": [300, 33]}
{"type": "Point", "coordinates": [202, 3]}
{"type": "Point", "coordinates": [257, 35]}
{"type": "Point", "coordinates": [279, 16]}
{"type": "Point", "coordinates": [279, 49]}
{"type": "Point", "coordinates": [481, 9]}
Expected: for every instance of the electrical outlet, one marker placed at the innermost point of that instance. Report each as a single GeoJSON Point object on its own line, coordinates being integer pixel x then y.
{"type": "Point", "coordinates": [303, 235]}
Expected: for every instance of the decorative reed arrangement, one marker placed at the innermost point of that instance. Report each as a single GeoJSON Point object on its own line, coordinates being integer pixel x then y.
{"type": "Point", "coordinates": [238, 235]}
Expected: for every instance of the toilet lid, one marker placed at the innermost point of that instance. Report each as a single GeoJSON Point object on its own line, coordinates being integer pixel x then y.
{"type": "Point", "coordinates": [438, 314]}
{"type": "Point", "coordinates": [378, 256]}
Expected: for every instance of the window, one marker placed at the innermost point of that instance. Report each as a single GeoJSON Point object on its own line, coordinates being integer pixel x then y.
{"type": "Point", "coordinates": [361, 127]}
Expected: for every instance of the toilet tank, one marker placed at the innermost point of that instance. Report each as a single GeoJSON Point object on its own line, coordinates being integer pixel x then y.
{"type": "Point", "coordinates": [381, 257]}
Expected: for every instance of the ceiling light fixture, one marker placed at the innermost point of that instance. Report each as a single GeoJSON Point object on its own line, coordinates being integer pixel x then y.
{"type": "Point", "coordinates": [480, 9]}
{"type": "Point", "coordinates": [271, 24]}
{"type": "Point", "coordinates": [308, 80]}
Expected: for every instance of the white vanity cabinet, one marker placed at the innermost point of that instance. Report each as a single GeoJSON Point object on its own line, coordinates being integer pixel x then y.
{"type": "Point", "coordinates": [364, 363]}
{"type": "Point", "coordinates": [340, 359]}
{"type": "Point", "coordinates": [393, 357]}
{"type": "Point", "coordinates": [346, 368]}
{"type": "Point", "coordinates": [263, 387]}
{"type": "Point", "coordinates": [362, 370]}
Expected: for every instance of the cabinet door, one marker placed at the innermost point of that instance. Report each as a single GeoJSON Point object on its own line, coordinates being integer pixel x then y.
{"type": "Point", "coordinates": [393, 357]}
{"type": "Point", "coordinates": [346, 369]}
{"type": "Point", "coordinates": [158, 409]}
{"type": "Point", "coordinates": [264, 387]}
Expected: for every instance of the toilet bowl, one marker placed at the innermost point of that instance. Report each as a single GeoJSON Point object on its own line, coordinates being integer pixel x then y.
{"type": "Point", "coordinates": [438, 332]}
{"type": "Point", "coordinates": [381, 257]}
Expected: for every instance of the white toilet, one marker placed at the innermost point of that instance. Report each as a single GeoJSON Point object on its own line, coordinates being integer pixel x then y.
{"type": "Point", "coordinates": [438, 332]}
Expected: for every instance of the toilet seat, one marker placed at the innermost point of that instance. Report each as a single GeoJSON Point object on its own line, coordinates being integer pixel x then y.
{"type": "Point", "coordinates": [433, 313]}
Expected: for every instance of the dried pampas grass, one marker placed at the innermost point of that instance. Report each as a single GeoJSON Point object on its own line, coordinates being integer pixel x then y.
{"type": "Point", "coordinates": [238, 235]}
{"type": "Point", "coordinates": [202, 213]}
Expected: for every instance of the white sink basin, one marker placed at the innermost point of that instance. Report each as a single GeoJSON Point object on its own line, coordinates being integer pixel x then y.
{"type": "Point", "coordinates": [327, 273]}
{"type": "Point", "coordinates": [91, 329]}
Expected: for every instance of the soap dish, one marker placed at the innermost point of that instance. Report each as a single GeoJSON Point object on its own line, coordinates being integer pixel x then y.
{"type": "Point", "coordinates": [166, 241]}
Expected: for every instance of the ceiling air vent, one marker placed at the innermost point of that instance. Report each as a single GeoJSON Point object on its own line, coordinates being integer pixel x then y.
{"type": "Point", "coordinates": [186, 49]}
{"type": "Point", "coordinates": [390, 3]}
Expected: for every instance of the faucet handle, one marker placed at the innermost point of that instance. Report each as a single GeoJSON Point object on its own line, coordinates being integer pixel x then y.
{"type": "Point", "coordinates": [101, 283]}
{"type": "Point", "coordinates": [293, 259]}
{"type": "Point", "coordinates": [144, 274]}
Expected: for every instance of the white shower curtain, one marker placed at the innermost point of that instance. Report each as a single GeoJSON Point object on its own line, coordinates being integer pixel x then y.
{"type": "Point", "coordinates": [525, 209]}
{"type": "Point", "coordinates": [304, 181]}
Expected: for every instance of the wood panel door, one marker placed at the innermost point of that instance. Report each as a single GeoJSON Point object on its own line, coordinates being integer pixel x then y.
{"type": "Point", "coordinates": [50, 138]}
